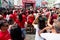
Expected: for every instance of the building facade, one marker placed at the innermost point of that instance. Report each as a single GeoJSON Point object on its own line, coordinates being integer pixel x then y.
{"type": "Point", "coordinates": [4, 4]}
{"type": "Point", "coordinates": [29, 3]}
{"type": "Point", "coordinates": [11, 3]}
{"type": "Point", "coordinates": [38, 3]}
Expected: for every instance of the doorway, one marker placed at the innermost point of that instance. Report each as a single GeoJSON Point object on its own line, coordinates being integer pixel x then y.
{"type": "Point", "coordinates": [28, 5]}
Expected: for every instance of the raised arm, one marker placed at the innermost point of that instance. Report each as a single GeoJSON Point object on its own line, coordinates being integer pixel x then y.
{"type": "Point", "coordinates": [49, 25]}
{"type": "Point", "coordinates": [48, 22]}
{"type": "Point", "coordinates": [36, 20]}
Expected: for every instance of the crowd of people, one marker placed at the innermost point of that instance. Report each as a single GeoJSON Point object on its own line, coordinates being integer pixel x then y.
{"type": "Point", "coordinates": [15, 22]}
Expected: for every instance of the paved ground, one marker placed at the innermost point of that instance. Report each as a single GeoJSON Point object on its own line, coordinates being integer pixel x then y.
{"type": "Point", "coordinates": [30, 37]}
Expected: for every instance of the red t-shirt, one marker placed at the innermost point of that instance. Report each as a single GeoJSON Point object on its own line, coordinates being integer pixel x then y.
{"type": "Point", "coordinates": [24, 17]}
{"type": "Point", "coordinates": [4, 16]}
{"type": "Point", "coordinates": [4, 35]}
{"type": "Point", "coordinates": [21, 24]}
{"type": "Point", "coordinates": [30, 19]}
{"type": "Point", "coordinates": [15, 16]}
{"type": "Point", "coordinates": [54, 16]}
{"type": "Point", "coordinates": [11, 16]}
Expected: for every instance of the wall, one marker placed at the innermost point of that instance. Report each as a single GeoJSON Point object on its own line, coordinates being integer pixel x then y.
{"type": "Point", "coordinates": [11, 2]}
{"type": "Point", "coordinates": [4, 4]}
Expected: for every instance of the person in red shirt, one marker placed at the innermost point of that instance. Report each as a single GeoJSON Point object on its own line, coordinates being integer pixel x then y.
{"type": "Point", "coordinates": [30, 17]}
{"type": "Point", "coordinates": [27, 12]}
{"type": "Point", "coordinates": [21, 22]}
{"type": "Point", "coordinates": [4, 34]}
{"type": "Point", "coordinates": [53, 16]}
{"type": "Point", "coordinates": [24, 17]}
{"type": "Point", "coordinates": [30, 20]}
{"type": "Point", "coordinates": [15, 15]}
{"type": "Point", "coordinates": [47, 13]}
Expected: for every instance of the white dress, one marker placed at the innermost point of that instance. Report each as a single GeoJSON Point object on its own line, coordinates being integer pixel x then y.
{"type": "Point", "coordinates": [37, 37]}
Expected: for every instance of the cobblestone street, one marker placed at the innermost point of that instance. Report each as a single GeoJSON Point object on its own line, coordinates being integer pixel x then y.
{"type": "Point", "coordinates": [30, 37]}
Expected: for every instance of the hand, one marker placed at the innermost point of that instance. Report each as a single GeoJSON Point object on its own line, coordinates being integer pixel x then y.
{"type": "Point", "coordinates": [37, 15]}
{"type": "Point", "coordinates": [14, 23]}
{"type": "Point", "coordinates": [9, 39]}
